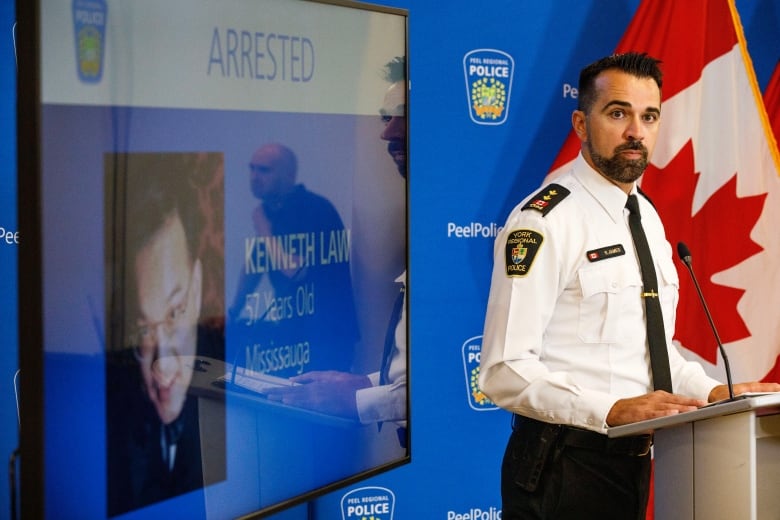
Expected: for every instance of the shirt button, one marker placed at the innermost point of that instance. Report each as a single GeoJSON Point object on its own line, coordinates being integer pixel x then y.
{"type": "Point", "coordinates": [614, 285]}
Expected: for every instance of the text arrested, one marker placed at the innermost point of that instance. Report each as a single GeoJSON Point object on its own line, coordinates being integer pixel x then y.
{"type": "Point", "coordinates": [259, 55]}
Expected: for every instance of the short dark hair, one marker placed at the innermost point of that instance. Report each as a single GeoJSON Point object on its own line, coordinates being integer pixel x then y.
{"type": "Point", "coordinates": [395, 69]}
{"type": "Point", "coordinates": [637, 64]}
{"type": "Point", "coordinates": [143, 191]}
{"type": "Point", "coordinates": [157, 187]}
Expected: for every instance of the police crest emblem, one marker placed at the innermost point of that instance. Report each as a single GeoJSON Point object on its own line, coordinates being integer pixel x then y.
{"type": "Point", "coordinates": [521, 248]}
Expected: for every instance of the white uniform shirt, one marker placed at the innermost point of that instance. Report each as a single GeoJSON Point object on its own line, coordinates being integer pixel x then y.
{"type": "Point", "coordinates": [567, 338]}
{"type": "Point", "coordinates": [387, 402]}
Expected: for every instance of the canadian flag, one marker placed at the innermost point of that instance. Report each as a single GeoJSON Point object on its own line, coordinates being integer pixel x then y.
{"type": "Point", "coordinates": [714, 179]}
{"type": "Point", "coordinates": [772, 101]}
{"type": "Point", "coordinates": [772, 104]}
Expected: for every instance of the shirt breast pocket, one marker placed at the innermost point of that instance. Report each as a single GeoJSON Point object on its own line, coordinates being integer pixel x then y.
{"type": "Point", "coordinates": [669, 284]}
{"type": "Point", "coordinates": [603, 289]}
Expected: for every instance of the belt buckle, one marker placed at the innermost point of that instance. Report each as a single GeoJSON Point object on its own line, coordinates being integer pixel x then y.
{"type": "Point", "coordinates": [648, 444]}
{"type": "Point", "coordinates": [645, 451]}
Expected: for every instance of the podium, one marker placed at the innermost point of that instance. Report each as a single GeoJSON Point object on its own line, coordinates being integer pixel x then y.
{"type": "Point", "coordinates": [719, 462]}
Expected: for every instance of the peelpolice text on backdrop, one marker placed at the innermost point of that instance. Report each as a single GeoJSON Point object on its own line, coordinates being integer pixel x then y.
{"type": "Point", "coordinates": [9, 237]}
{"type": "Point", "coordinates": [570, 91]}
{"type": "Point", "coordinates": [476, 513]}
{"type": "Point", "coordinates": [473, 230]}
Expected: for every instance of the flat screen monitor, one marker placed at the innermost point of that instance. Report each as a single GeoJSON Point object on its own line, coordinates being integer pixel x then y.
{"type": "Point", "coordinates": [213, 267]}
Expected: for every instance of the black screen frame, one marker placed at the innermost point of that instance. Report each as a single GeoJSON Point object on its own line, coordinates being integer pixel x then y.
{"type": "Point", "coordinates": [32, 383]}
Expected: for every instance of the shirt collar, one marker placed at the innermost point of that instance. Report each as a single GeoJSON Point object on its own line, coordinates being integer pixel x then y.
{"type": "Point", "coordinates": [609, 196]}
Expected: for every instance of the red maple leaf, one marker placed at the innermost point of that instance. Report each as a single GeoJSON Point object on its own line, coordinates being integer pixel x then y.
{"type": "Point", "coordinates": [718, 237]}
{"type": "Point", "coordinates": [773, 376]}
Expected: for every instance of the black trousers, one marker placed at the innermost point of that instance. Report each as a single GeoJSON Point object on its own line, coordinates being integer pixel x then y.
{"type": "Point", "coordinates": [555, 472]}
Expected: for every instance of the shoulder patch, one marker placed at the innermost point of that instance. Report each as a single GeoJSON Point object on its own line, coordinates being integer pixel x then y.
{"type": "Point", "coordinates": [520, 251]}
{"type": "Point", "coordinates": [547, 198]}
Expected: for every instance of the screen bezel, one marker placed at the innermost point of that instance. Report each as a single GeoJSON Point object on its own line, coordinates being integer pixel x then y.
{"type": "Point", "coordinates": [30, 297]}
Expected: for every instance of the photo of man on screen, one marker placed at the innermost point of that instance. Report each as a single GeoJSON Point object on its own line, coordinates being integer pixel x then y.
{"type": "Point", "coordinates": [171, 326]}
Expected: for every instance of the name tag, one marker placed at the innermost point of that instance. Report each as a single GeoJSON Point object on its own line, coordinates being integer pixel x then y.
{"type": "Point", "coordinates": [602, 253]}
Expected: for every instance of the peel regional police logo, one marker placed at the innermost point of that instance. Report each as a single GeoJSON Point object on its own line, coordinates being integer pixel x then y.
{"type": "Point", "coordinates": [488, 85]}
{"type": "Point", "coordinates": [472, 349]}
{"type": "Point", "coordinates": [89, 28]}
{"type": "Point", "coordinates": [368, 503]}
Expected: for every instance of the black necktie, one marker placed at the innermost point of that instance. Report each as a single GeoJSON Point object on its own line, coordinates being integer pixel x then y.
{"type": "Point", "coordinates": [387, 355]}
{"type": "Point", "coordinates": [171, 433]}
{"type": "Point", "coordinates": [656, 337]}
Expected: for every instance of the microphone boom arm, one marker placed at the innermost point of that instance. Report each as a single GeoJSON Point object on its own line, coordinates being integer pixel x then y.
{"type": "Point", "coordinates": [685, 256]}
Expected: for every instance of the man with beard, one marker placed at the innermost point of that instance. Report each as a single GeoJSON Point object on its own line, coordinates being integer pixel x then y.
{"type": "Point", "coordinates": [565, 344]}
{"type": "Point", "coordinates": [379, 396]}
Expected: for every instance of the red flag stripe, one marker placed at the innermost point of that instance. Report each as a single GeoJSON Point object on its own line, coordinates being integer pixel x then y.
{"type": "Point", "coordinates": [772, 102]}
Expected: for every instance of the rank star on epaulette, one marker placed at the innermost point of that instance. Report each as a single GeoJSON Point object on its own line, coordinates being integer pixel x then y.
{"type": "Point", "coordinates": [547, 199]}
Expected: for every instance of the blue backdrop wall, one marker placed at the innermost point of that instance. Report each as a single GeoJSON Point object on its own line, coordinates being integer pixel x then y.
{"type": "Point", "coordinates": [465, 176]}
{"type": "Point", "coordinates": [8, 237]}
{"type": "Point", "coordinates": [468, 175]}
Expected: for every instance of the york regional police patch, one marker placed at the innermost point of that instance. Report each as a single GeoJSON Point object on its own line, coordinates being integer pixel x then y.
{"type": "Point", "coordinates": [521, 248]}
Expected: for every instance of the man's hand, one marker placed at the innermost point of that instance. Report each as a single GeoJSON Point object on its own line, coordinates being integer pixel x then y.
{"type": "Point", "coordinates": [650, 406]}
{"type": "Point", "coordinates": [328, 392]}
{"type": "Point", "coordinates": [721, 392]}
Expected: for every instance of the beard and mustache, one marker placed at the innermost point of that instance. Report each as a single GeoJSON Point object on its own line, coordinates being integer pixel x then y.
{"type": "Point", "coordinates": [397, 150]}
{"type": "Point", "coordinates": [617, 167]}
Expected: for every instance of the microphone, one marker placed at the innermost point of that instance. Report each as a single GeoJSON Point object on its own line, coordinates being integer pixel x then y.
{"type": "Point", "coordinates": [685, 256]}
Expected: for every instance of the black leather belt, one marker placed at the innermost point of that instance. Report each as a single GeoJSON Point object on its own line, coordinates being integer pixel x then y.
{"type": "Point", "coordinates": [633, 446]}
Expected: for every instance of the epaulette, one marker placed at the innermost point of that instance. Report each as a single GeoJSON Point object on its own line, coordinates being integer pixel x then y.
{"type": "Point", "coordinates": [547, 198]}
{"type": "Point", "coordinates": [642, 193]}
